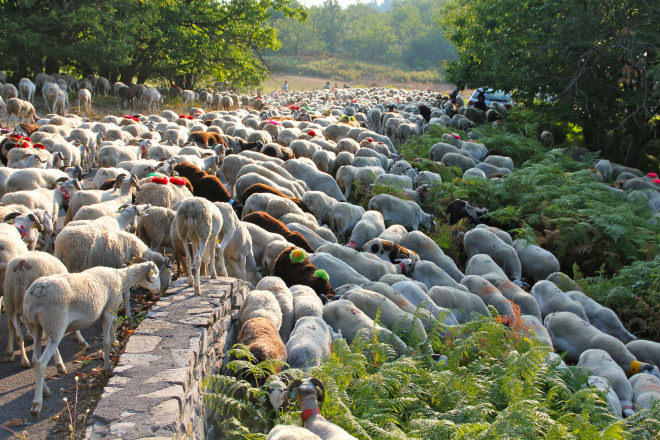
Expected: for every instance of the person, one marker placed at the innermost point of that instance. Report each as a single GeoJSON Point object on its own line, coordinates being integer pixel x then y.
{"type": "Point", "coordinates": [481, 101]}
{"type": "Point", "coordinates": [326, 86]}
{"type": "Point", "coordinates": [285, 86]}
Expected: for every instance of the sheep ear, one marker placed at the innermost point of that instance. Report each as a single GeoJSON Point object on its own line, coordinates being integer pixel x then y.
{"type": "Point", "coordinates": [11, 216]}
{"type": "Point", "coordinates": [320, 389]}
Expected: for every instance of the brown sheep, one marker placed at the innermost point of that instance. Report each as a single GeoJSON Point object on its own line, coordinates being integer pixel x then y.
{"type": "Point", "coordinates": [299, 270]}
{"type": "Point", "coordinates": [278, 151]}
{"type": "Point", "coordinates": [263, 188]}
{"type": "Point", "coordinates": [262, 339]}
{"type": "Point", "coordinates": [207, 138]}
{"type": "Point", "coordinates": [29, 128]}
{"type": "Point", "coordinates": [206, 185]}
{"type": "Point", "coordinates": [271, 224]}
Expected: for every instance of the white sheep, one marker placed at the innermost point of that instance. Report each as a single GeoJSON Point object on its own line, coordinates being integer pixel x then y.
{"type": "Point", "coordinates": [430, 274]}
{"type": "Point", "coordinates": [602, 318]}
{"type": "Point", "coordinates": [315, 179]}
{"type": "Point", "coordinates": [235, 244]}
{"type": "Point", "coordinates": [306, 302]}
{"type": "Point", "coordinates": [602, 364]}
{"type": "Point", "coordinates": [318, 203]}
{"type": "Point", "coordinates": [645, 351]}
{"type": "Point", "coordinates": [395, 234]}
{"type": "Point", "coordinates": [366, 264]}
{"type": "Point", "coordinates": [261, 304]}
{"type": "Point", "coordinates": [646, 390]}
{"type": "Point", "coordinates": [464, 305]}
{"type": "Point", "coordinates": [50, 200]}
{"type": "Point", "coordinates": [85, 98]}
{"type": "Point", "coordinates": [309, 343]}
{"type": "Point", "coordinates": [290, 432]}
{"type": "Point", "coordinates": [537, 263]}
{"type": "Point", "coordinates": [526, 302]}
{"type": "Point", "coordinates": [196, 224]}
{"type": "Point", "coordinates": [61, 303]}
{"type": "Point", "coordinates": [551, 299]}
{"type": "Point", "coordinates": [482, 241]}
{"type": "Point", "coordinates": [574, 335]}
{"type": "Point", "coordinates": [612, 399]}
{"type": "Point", "coordinates": [369, 226]}
{"type": "Point", "coordinates": [153, 227]}
{"type": "Point", "coordinates": [284, 298]}
{"type": "Point", "coordinates": [403, 212]}
{"type": "Point", "coordinates": [489, 294]}
{"type": "Point", "coordinates": [260, 239]}
{"type": "Point", "coordinates": [482, 264]}
{"type": "Point", "coordinates": [339, 272]}
{"type": "Point", "coordinates": [419, 298]}
{"type": "Point", "coordinates": [343, 216]}
{"type": "Point", "coordinates": [27, 179]}
{"type": "Point", "coordinates": [314, 240]}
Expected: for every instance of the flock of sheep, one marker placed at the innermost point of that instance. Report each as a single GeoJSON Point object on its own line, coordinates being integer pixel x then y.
{"type": "Point", "coordinates": [260, 192]}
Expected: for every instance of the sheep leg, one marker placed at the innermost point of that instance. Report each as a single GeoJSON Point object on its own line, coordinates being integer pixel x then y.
{"type": "Point", "coordinates": [12, 320]}
{"type": "Point", "coordinates": [210, 250]}
{"type": "Point", "coordinates": [59, 363]}
{"type": "Point", "coordinates": [108, 321]}
{"type": "Point", "coordinates": [189, 263]}
{"type": "Point", "coordinates": [127, 307]}
{"type": "Point", "coordinates": [19, 341]}
{"type": "Point", "coordinates": [197, 262]}
{"type": "Point", "coordinates": [221, 260]}
{"type": "Point", "coordinates": [41, 388]}
{"type": "Point", "coordinates": [81, 340]}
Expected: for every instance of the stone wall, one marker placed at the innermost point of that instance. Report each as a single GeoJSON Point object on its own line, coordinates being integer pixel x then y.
{"type": "Point", "coordinates": [156, 389]}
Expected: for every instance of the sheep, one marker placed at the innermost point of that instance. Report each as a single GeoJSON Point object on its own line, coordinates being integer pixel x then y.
{"type": "Point", "coordinates": [602, 364]}
{"type": "Point", "coordinates": [404, 212]}
{"type": "Point", "coordinates": [533, 328]}
{"type": "Point", "coordinates": [318, 203]}
{"type": "Point", "coordinates": [389, 251]}
{"type": "Point", "coordinates": [366, 264]}
{"type": "Point", "coordinates": [21, 271]}
{"type": "Point", "coordinates": [563, 281]}
{"type": "Point", "coordinates": [646, 390]}
{"type": "Point", "coordinates": [309, 392]}
{"type": "Point", "coordinates": [315, 179]}
{"type": "Point", "coordinates": [236, 245]}
{"type": "Point", "coordinates": [464, 305]}
{"type": "Point", "coordinates": [373, 304]}
{"type": "Point", "coordinates": [314, 240]}
{"type": "Point", "coordinates": [551, 299]}
{"type": "Point", "coordinates": [50, 200]}
{"type": "Point", "coordinates": [86, 246]}
{"type": "Point", "coordinates": [537, 263]}
{"type": "Point", "coordinates": [197, 221]}
{"type": "Point", "coordinates": [395, 234]}
{"type": "Point", "coordinates": [309, 343]}
{"type": "Point", "coordinates": [574, 335]}
{"type": "Point", "coordinates": [27, 89]}
{"type": "Point", "coordinates": [611, 398]}
{"type": "Point", "coordinates": [111, 155]}
{"type": "Point", "coordinates": [205, 185]}
{"type": "Point", "coordinates": [339, 272]}
{"type": "Point", "coordinates": [526, 302]}
{"type": "Point", "coordinates": [294, 267]}
{"type": "Point", "coordinates": [419, 298]}
{"type": "Point", "coordinates": [27, 179]}
{"type": "Point", "coordinates": [272, 252]}
{"type": "Point", "coordinates": [369, 226]}
{"type": "Point", "coordinates": [92, 197]}
{"type": "Point", "coordinates": [481, 264]}
{"type": "Point", "coordinates": [271, 224]}
{"type": "Point", "coordinates": [430, 274]}
{"type": "Point", "coordinates": [260, 239]}
{"type": "Point", "coordinates": [482, 241]}
{"type": "Point", "coordinates": [602, 318]}
{"type": "Point", "coordinates": [645, 351]}
{"type": "Point", "coordinates": [158, 192]}
{"type": "Point", "coordinates": [489, 294]}
{"type": "Point", "coordinates": [67, 302]}
{"type": "Point", "coordinates": [263, 188]}
{"type": "Point", "coordinates": [342, 217]}
{"type": "Point", "coordinates": [289, 432]}
{"type": "Point", "coordinates": [284, 298]}
{"type": "Point", "coordinates": [85, 97]}
{"type": "Point", "coordinates": [305, 302]}
{"type": "Point", "coordinates": [20, 109]}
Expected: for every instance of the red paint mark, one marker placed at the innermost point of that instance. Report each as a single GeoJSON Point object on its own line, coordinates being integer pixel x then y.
{"type": "Point", "coordinates": [22, 266]}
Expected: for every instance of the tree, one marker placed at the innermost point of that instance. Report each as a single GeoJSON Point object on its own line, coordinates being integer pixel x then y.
{"type": "Point", "coordinates": [590, 62]}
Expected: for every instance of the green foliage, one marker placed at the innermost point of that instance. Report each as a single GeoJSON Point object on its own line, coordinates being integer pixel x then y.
{"type": "Point", "coordinates": [634, 292]}
{"type": "Point", "coordinates": [593, 65]}
{"type": "Point", "coordinates": [173, 39]}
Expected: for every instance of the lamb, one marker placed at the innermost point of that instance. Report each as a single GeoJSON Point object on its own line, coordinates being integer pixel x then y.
{"type": "Point", "coordinates": [574, 335]}
{"type": "Point", "coordinates": [294, 267]}
{"type": "Point", "coordinates": [602, 364]}
{"type": "Point", "coordinates": [260, 239]}
{"type": "Point", "coordinates": [369, 226]}
{"type": "Point", "coordinates": [526, 302]}
{"type": "Point", "coordinates": [197, 221]}
{"type": "Point", "coordinates": [389, 251]}
{"type": "Point", "coordinates": [309, 343]}
{"type": "Point", "coordinates": [537, 263]}
{"type": "Point", "coordinates": [645, 351]}
{"type": "Point", "coordinates": [612, 399]}
{"type": "Point", "coordinates": [373, 304]}
{"type": "Point", "coordinates": [271, 224]}
{"type": "Point", "coordinates": [261, 304]}
{"type": "Point", "coordinates": [21, 271]}
{"type": "Point", "coordinates": [646, 390]}
{"type": "Point", "coordinates": [68, 302]}
{"type": "Point", "coordinates": [236, 245]}
{"type": "Point", "coordinates": [464, 305]}
{"type": "Point", "coordinates": [309, 392]}
{"type": "Point", "coordinates": [403, 212]}
{"type": "Point", "coordinates": [602, 318]}
{"type": "Point", "coordinates": [482, 241]}
{"type": "Point", "coordinates": [488, 293]}
{"type": "Point", "coordinates": [551, 299]}
{"type": "Point", "coordinates": [111, 155]}
{"type": "Point", "coordinates": [27, 89]}
{"type": "Point", "coordinates": [92, 197]}
{"type": "Point", "coordinates": [563, 281]}
{"type": "Point", "coordinates": [305, 302]}
{"type": "Point", "coordinates": [284, 298]}
{"type": "Point", "coordinates": [252, 173]}
{"type": "Point", "coordinates": [533, 327]}
{"type": "Point", "coordinates": [342, 217]}
{"type": "Point", "coordinates": [86, 246]}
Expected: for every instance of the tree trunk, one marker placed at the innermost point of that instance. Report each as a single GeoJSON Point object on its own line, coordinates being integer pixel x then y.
{"type": "Point", "coordinates": [52, 65]}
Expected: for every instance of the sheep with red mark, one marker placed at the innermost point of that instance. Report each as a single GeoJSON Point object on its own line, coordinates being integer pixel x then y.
{"type": "Point", "coordinates": [271, 224]}
{"type": "Point", "coordinates": [294, 267]}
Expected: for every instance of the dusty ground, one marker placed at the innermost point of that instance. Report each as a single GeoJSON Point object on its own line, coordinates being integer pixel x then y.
{"type": "Point", "coordinates": [311, 83]}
